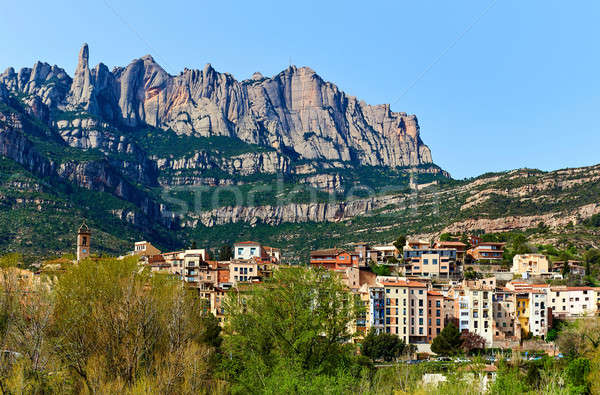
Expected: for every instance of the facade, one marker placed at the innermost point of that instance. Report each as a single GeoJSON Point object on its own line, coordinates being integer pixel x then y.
{"type": "Point", "coordinates": [480, 302]}
{"type": "Point", "coordinates": [538, 314]}
{"type": "Point", "coordinates": [460, 247]}
{"type": "Point", "coordinates": [429, 262]}
{"type": "Point", "coordinates": [247, 250]}
{"type": "Point", "coordinates": [504, 308]}
{"type": "Point", "coordinates": [376, 318]}
{"type": "Point", "coordinates": [243, 271]}
{"type": "Point", "coordinates": [405, 311]}
{"type": "Point", "coordinates": [334, 258]}
{"type": "Point", "coordinates": [144, 248]}
{"type": "Point", "coordinates": [535, 264]}
{"type": "Point", "coordinates": [435, 314]}
{"type": "Point", "coordinates": [568, 302]}
{"type": "Point", "coordinates": [487, 251]}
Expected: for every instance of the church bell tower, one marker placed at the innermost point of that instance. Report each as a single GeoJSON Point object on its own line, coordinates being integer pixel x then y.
{"type": "Point", "coordinates": [83, 242]}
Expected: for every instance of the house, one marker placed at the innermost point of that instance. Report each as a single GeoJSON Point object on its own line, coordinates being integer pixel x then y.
{"type": "Point", "coordinates": [429, 262]}
{"type": "Point", "coordinates": [570, 302]}
{"type": "Point", "coordinates": [461, 248]}
{"type": "Point", "coordinates": [145, 248]}
{"type": "Point", "coordinates": [485, 250]}
{"type": "Point", "coordinates": [534, 264]}
{"type": "Point", "coordinates": [334, 258]}
{"type": "Point", "coordinates": [247, 250]}
{"type": "Point", "coordinates": [506, 324]}
{"type": "Point", "coordinates": [574, 268]}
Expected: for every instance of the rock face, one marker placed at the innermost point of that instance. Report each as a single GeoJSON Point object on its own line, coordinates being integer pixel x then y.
{"type": "Point", "coordinates": [295, 111]}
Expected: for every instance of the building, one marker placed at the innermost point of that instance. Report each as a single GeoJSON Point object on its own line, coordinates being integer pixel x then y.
{"type": "Point", "coordinates": [485, 250]}
{"type": "Point", "coordinates": [243, 271]}
{"type": "Point", "coordinates": [435, 314]}
{"type": "Point", "coordinates": [376, 317]}
{"type": "Point", "coordinates": [574, 268]}
{"type": "Point", "coordinates": [406, 310]}
{"type": "Point", "coordinates": [247, 250]}
{"type": "Point", "coordinates": [570, 302]}
{"type": "Point", "coordinates": [506, 324]}
{"type": "Point", "coordinates": [534, 264]}
{"type": "Point", "coordinates": [144, 248]}
{"type": "Point", "coordinates": [429, 262]}
{"type": "Point", "coordinates": [334, 258]}
{"type": "Point", "coordinates": [479, 304]}
{"type": "Point", "coordinates": [538, 313]}
{"type": "Point", "coordinates": [84, 238]}
{"type": "Point", "coordinates": [461, 248]}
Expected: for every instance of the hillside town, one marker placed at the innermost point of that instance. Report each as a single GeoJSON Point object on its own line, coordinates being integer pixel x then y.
{"type": "Point", "coordinates": [428, 285]}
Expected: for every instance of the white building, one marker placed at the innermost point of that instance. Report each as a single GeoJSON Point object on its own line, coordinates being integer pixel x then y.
{"type": "Point", "coordinates": [538, 317]}
{"type": "Point", "coordinates": [568, 302]}
{"type": "Point", "coordinates": [534, 264]}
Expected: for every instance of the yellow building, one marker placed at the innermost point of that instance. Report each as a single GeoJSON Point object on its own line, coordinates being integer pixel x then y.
{"type": "Point", "coordinates": [523, 310]}
{"type": "Point", "coordinates": [535, 264]}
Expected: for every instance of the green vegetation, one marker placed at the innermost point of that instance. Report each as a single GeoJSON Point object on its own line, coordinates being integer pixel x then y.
{"type": "Point", "coordinates": [448, 342]}
{"type": "Point", "coordinates": [384, 346]}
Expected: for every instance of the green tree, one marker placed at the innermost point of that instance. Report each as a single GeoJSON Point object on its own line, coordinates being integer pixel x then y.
{"type": "Point", "coordinates": [117, 322]}
{"type": "Point", "coordinates": [448, 342]}
{"type": "Point", "coordinates": [470, 274]}
{"type": "Point", "coordinates": [400, 243]}
{"type": "Point", "coordinates": [380, 270]}
{"type": "Point", "coordinates": [225, 253]}
{"type": "Point", "coordinates": [576, 376]}
{"type": "Point", "coordinates": [298, 319]}
{"type": "Point", "coordinates": [384, 346]}
{"type": "Point", "coordinates": [445, 237]}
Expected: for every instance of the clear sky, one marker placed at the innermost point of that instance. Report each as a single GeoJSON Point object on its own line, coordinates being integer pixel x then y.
{"type": "Point", "coordinates": [496, 85]}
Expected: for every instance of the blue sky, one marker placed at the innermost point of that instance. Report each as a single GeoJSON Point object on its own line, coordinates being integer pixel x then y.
{"type": "Point", "coordinates": [516, 86]}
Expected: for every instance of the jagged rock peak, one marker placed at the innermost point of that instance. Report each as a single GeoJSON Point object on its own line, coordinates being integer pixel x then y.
{"type": "Point", "coordinates": [84, 57]}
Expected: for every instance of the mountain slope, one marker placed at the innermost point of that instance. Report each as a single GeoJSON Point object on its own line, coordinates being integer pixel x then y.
{"type": "Point", "coordinates": [290, 160]}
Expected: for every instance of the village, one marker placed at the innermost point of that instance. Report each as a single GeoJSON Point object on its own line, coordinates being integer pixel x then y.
{"type": "Point", "coordinates": [429, 285]}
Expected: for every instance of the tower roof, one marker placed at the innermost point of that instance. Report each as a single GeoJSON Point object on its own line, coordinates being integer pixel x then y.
{"type": "Point", "coordinates": [84, 228]}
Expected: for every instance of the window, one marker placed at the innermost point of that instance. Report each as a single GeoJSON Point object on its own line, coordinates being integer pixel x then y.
{"type": "Point", "coordinates": [434, 261]}
{"type": "Point", "coordinates": [240, 251]}
{"type": "Point", "coordinates": [425, 261]}
{"type": "Point", "coordinates": [437, 322]}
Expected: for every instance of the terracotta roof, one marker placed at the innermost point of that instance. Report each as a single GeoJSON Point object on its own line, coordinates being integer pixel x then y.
{"type": "Point", "coordinates": [575, 288]}
{"type": "Point", "coordinates": [327, 251]}
{"type": "Point", "coordinates": [451, 243]}
{"type": "Point", "coordinates": [247, 243]}
{"type": "Point", "coordinates": [411, 284]}
{"type": "Point", "coordinates": [434, 293]}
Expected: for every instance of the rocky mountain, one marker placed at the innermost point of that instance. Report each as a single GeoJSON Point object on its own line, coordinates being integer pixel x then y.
{"type": "Point", "coordinates": [290, 159]}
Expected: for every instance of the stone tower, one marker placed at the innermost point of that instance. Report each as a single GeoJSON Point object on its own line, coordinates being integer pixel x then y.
{"type": "Point", "coordinates": [83, 242]}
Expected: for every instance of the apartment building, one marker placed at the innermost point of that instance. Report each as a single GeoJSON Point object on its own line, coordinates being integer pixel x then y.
{"type": "Point", "coordinates": [243, 271]}
{"type": "Point", "coordinates": [334, 258]}
{"type": "Point", "coordinates": [487, 251]}
{"type": "Point", "coordinates": [568, 302]}
{"type": "Point", "coordinates": [506, 324]}
{"type": "Point", "coordinates": [435, 314]}
{"type": "Point", "coordinates": [376, 318]}
{"type": "Point", "coordinates": [479, 300]}
{"type": "Point", "coordinates": [194, 263]}
{"type": "Point", "coordinates": [534, 264]}
{"type": "Point", "coordinates": [406, 310]}
{"type": "Point", "coordinates": [247, 250]}
{"type": "Point", "coordinates": [538, 313]}
{"type": "Point", "coordinates": [429, 262]}
{"type": "Point", "coordinates": [460, 247]}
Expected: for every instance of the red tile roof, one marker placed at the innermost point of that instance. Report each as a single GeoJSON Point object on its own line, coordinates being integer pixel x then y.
{"type": "Point", "coordinates": [411, 284]}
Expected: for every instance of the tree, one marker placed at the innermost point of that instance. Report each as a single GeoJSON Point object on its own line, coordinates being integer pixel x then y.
{"type": "Point", "coordinates": [472, 341]}
{"type": "Point", "coordinates": [445, 237]}
{"type": "Point", "coordinates": [470, 274]}
{"type": "Point", "coordinates": [448, 342]}
{"type": "Point", "coordinates": [117, 323]}
{"type": "Point", "coordinates": [384, 346]}
{"type": "Point", "coordinates": [400, 242]}
{"type": "Point", "coordinates": [298, 320]}
{"type": "Point", "coordinates": [380, 270]}
{"type": "Point", "coordinates": [225, 253]}
{"type": "Point", "coordinates": [592, 256]}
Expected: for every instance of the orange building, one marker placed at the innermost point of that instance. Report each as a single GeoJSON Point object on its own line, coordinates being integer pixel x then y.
{"type": "Point", "coordinates": [487, 251]}
{"type": "Point", "coordinates": [334, 258]}
{"type": "Point", "coordinates": [435, 314]}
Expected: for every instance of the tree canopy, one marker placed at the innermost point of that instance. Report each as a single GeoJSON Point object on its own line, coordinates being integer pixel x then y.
{"type": "Point", "coordinates": [448, 342]}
